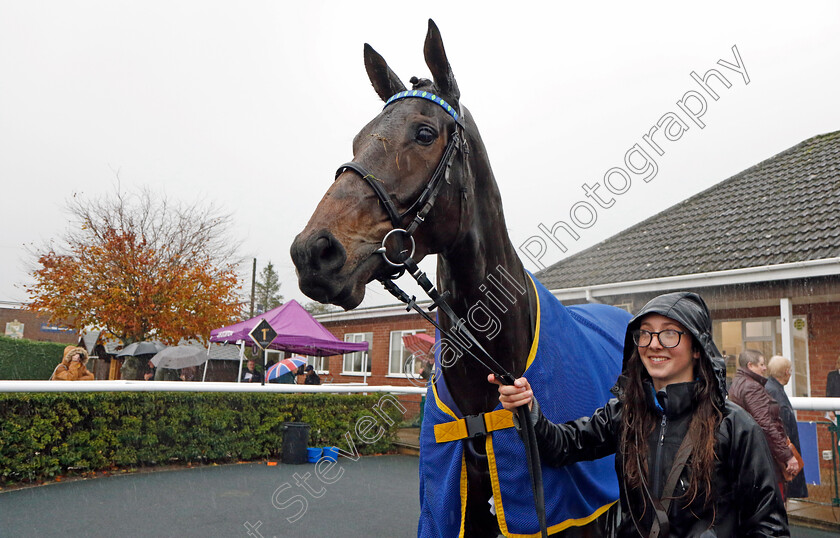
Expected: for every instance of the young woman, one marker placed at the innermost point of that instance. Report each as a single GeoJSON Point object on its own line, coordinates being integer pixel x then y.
{"type": "Point", "coordinates": [719, 482]}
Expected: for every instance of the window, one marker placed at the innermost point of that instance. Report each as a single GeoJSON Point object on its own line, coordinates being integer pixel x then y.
{"type": "Point", "coordinates": [399, 355]}
{"type": "Point", "coordinates": [271, 356]}
{"type": "Point", "coordinates": [357, 363]}
{"type": "Point", "coordinates": [321, 364]}
{"type": "Point", "coordinates": [764, 335]}
{"type": "Point", "coordinates": [627, 307]}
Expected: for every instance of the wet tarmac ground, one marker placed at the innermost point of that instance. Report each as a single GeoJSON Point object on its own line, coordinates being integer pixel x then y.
{"type": "Point", "coordinates": [373, 496]}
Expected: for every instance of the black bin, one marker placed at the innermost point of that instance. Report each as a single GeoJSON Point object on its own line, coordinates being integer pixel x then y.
{"type": "Point", "coordinates": [295, 440]}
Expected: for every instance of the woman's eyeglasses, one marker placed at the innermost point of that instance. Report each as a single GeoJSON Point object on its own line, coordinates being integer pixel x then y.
{"type": "Point", "coordinates": [667, 338]}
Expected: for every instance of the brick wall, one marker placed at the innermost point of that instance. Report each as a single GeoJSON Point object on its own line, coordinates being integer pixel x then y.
{"type": "Point", "coordinates": [823, 343]}
{"type": "Point", "coordinates": [823, 349]}
{"type": "Point", "coordinates": [823, 339]}
{"type": "Point", "coordinates": [36, 327]}
{"type": "Point", "coordinates": [823, 335]}
{"type": "Point", "coordinates": [379, 349]}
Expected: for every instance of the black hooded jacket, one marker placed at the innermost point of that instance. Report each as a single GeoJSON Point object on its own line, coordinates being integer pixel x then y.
{"type": "Point", "coordinates": [746, 500]}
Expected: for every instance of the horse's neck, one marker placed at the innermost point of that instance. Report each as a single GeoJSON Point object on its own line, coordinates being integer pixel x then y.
{"type": "Point", "coordinates": [490, 290]}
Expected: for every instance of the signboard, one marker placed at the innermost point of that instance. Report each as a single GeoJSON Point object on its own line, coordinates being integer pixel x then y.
{"type": "Point", "coordinates": [14, 329]}
{"type": "Point", "coordinates": [263, 335]}
{"type": "Point", "coordinates": [47, 328]}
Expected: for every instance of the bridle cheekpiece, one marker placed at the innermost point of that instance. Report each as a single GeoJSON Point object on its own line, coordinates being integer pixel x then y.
{"type": "Point", "coordinates": [424, 203]}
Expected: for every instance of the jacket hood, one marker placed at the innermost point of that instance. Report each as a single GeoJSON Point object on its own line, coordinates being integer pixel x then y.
{"type": "Point", "coordinates": [691, 312]}
{"type": "Point", "coordinates": [69, 351]}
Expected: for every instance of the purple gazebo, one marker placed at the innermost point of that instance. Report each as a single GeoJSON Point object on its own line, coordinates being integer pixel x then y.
{"type": "Point", "coordinates": [297, 332]}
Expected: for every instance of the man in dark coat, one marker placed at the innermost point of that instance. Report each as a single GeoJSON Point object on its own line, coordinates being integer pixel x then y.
{"type": "Point", "coordinates": [251, 374]}
{"type": "Point", "coordinates": [779, 370]}
{"type": "Point", "coordinates": [747, 391]}
{"type": "Point", "coordinates": [832, 383]}
{"type": "Point", "coordinates": [311, 376]}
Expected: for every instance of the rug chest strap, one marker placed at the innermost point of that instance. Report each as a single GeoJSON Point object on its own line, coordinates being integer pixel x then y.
{"type": "Point", "coordinates": [473, 425]}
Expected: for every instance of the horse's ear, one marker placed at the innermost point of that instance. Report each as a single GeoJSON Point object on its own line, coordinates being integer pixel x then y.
{"type": "Point", "coordinates": [438, 64]}
{"type": "Point", "coordinates": [384, 81]}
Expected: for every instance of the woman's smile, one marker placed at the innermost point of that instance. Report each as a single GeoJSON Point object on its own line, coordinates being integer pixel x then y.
{"type": "Point", "coordinates": [671, 364]}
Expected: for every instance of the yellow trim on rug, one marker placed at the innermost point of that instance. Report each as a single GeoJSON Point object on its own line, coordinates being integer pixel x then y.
{"type": "Point", "coordinates": [570, 522]}
{"type": "Point", "coordinates": [494, 477]}
{"type": "Point", "coordinates": [500, 511]}
{"type": "Point", "coordinates": [442, 406]}
{"type": "Point", "coordinates": [463, 489]}
{"type": "Point", "coordinates": [463, 495]}
{"type": "Point", "coordinates": [494, 482]}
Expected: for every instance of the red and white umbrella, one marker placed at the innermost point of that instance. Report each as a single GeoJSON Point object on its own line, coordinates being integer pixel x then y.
{"type": "Point", "coordinates": [284, 367]}
{"type": "Point", "coordinates": [419, 343]}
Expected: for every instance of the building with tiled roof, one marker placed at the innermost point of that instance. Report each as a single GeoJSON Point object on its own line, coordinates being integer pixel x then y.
{"type": "Point", "coordinates": [762, 248]}
{"type": "Point", "coordinates": [785, 210]}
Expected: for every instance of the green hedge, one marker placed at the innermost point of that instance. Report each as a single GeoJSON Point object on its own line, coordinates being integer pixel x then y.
{"type": "Point", "coordinates": [28, 359]}
{"type": "Point", "coordinates": [48, 434]}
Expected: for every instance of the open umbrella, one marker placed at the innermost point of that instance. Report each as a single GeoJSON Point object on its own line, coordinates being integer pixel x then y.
{"type": "Point", "coordinates": [419, 343]}
{"type": "Point", "coordinates": [180, 357]}
{"type": "Point", "coordinates": [284, 367]}
{"type": "Point", "coordinates": [141, 348]}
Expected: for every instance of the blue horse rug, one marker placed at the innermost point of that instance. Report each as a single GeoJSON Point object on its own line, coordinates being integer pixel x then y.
{"type": "Point", "coordinates": [574, 360]}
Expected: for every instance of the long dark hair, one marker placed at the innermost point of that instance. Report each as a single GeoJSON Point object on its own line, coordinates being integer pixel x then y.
{"type": "Point", "coordinates": [639, 422]}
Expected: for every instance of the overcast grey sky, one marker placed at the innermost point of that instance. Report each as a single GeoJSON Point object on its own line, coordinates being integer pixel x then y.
{"type": "Point", "coordinates": [253, 104]}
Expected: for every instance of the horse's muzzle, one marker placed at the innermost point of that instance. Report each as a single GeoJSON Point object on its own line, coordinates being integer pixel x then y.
{"type": "Point", "coordinates": [318, 259]}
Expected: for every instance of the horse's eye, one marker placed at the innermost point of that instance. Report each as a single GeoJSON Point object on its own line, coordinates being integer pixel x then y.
{"type": "Point", "coordinates": [425, 135]}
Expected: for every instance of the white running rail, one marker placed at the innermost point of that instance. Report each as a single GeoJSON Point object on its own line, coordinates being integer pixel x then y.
{"type": "Point", "coordinates": [187, 386]}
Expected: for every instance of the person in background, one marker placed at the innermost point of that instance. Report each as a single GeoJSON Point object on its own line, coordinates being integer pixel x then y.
{"type": "Point", "coordinates": [779, 369]}
{"type": "Point", "coordinates": [747, 391]}
{"type": "Point", "coordinates": [189, 373]}
{"type": "Point", "coordinates": [311, 377]}
{"type": "Point", "coordinates": [289, 378]}
{"type": "Point", "coordinates": [73, 366]}
{"type": "Point", "coordinates": [167, 374]}
{"type": "Point", "coordinates": [251, 374]}
{"type": "Point", "coordinates": [150, 375]}
{"type": "Point", "coordinates": [832, 382]}
{"type": "Point", "coordinates": [688, 462]}
{"type": "Point", "coordinates": [832, 388]}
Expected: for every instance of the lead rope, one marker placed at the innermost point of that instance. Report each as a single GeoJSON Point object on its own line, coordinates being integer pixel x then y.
{"type": "Point", "coordinates": [427, 200]}
{"type": "Point", "coordinates": [529, 437]}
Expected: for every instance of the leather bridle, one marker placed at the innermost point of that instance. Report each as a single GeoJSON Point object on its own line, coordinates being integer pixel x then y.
{"type": "Point", "coordinates": [426, 200]}
{"type": "Point", "coordinates": [464, 340]}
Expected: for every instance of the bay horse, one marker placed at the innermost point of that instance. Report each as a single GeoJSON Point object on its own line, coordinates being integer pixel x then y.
{"type": "Point", "coordinates": [457, 215]}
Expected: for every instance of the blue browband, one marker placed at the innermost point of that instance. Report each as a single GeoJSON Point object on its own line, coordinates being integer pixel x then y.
{"type": "Point", "coordinates": [428, 96]}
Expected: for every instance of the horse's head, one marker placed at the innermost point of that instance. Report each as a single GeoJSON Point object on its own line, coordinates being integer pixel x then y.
{"type": "Point", "coordinates": [390, 180]}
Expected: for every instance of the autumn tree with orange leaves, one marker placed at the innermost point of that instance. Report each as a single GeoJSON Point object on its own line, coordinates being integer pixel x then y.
{"type": "Point", "coordinates": [140, 267]}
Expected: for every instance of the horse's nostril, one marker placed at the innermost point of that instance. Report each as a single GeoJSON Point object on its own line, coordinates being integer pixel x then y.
{"type": "Point", "coordinates": [327, 253]}
{"type": "Point", "coordinates": [322, 247]}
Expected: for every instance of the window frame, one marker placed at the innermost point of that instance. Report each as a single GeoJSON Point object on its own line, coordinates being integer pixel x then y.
{"type": "Point", "coordinates": [775, 343]}
{"type": "Point", "coordinates": [366, 360]}
{"type": "Point", "coordinates": [401, 374]}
